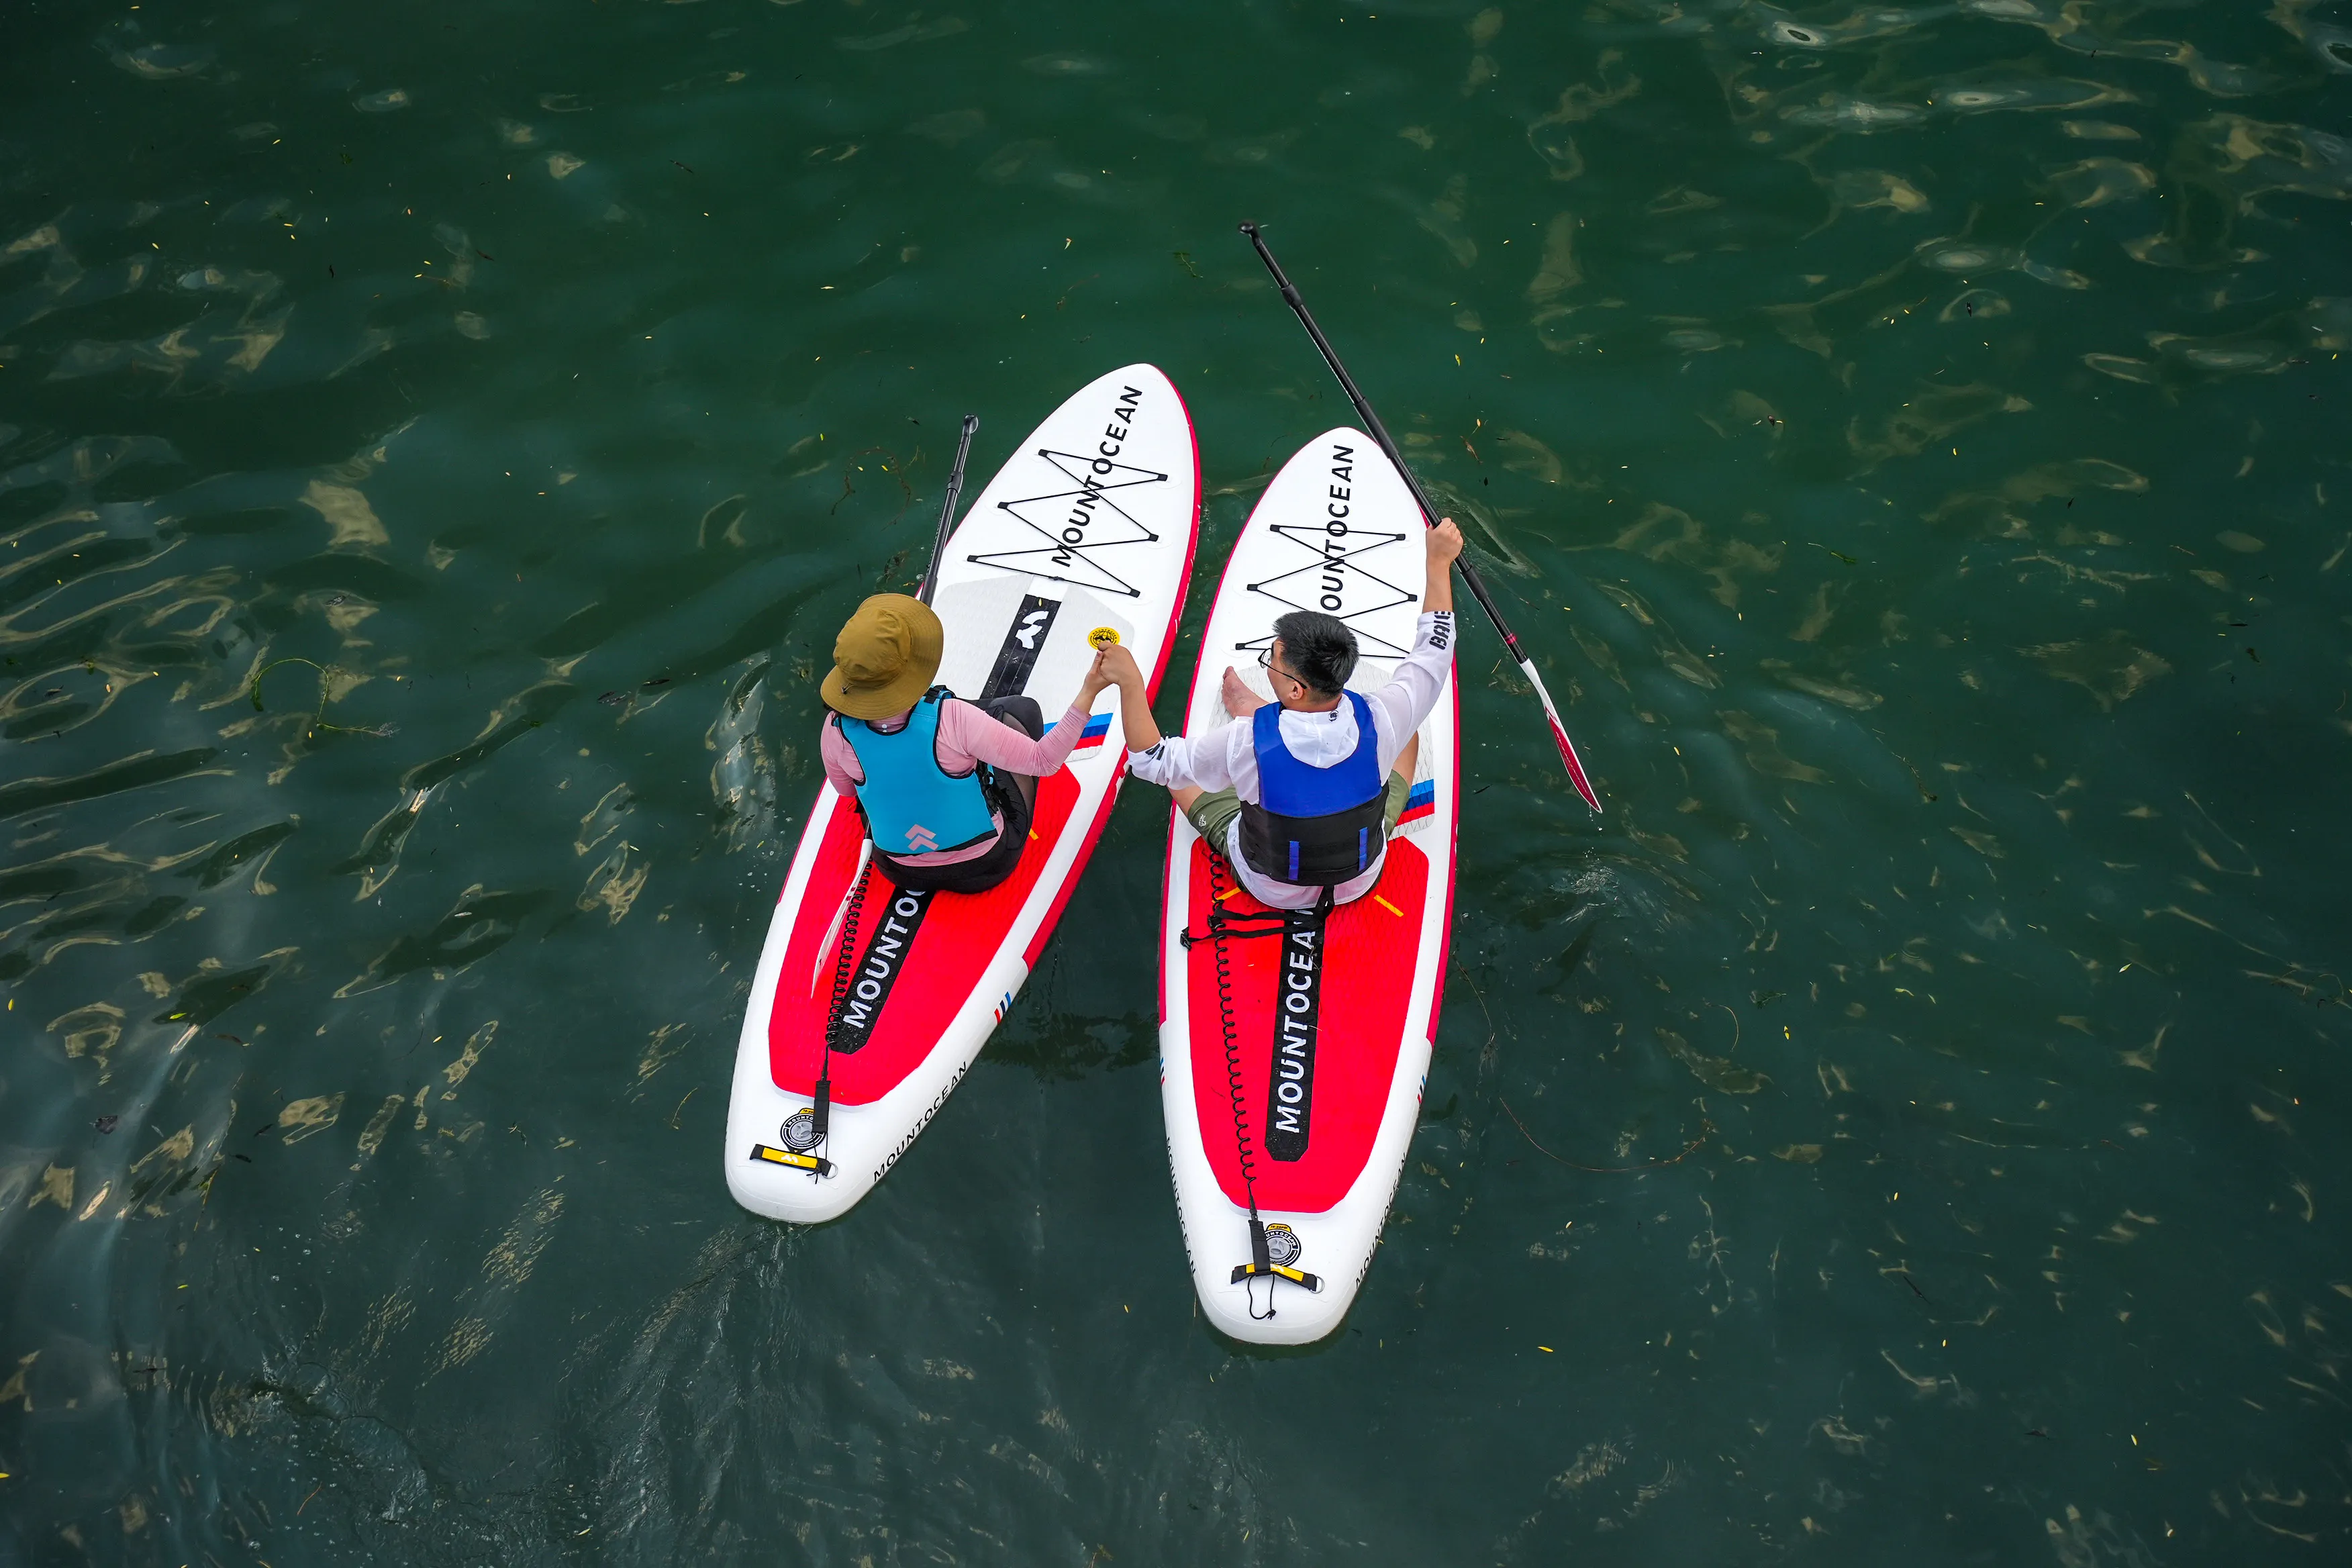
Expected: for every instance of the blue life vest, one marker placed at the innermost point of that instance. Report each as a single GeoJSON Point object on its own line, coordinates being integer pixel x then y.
{"type": "Point", "coordinates": [1315, 828]}
{"type": "Point", "coordinates": [912, 805]}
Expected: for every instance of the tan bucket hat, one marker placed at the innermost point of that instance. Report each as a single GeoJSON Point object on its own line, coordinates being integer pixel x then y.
{"type": "Point", "coordinates": [885, 657]}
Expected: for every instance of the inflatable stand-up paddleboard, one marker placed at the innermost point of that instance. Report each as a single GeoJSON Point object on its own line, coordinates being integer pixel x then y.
{"type": "Point", "coordinates": [1090, 526]}
{"type": "Point", "coordinates": [1293, 1057]}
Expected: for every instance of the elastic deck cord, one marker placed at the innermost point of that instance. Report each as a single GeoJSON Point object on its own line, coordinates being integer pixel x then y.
{"type": "Point", "coordinates": [822, 1114]}
{"type": "Point", "coordinates": [1223, 925]}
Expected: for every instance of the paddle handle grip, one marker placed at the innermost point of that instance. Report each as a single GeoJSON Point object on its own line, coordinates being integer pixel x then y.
{"type": "Point", "coordinates": [948, 508]}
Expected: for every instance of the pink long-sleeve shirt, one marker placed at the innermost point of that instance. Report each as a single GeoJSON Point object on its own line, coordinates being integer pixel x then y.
{"type": "Point", "coordinates": [967, 736]}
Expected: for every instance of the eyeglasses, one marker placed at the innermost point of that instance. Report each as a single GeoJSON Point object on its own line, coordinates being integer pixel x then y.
{"type": "Point", "coordinates": [1266, 662]}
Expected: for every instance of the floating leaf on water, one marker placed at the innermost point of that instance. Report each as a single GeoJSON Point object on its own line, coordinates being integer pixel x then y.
{"type": "Point", "coordinates": [384, 102]}
{"type": "Point", "coordinates": [1844, 696]}
{"type": "Point", "coordinates": [2109, 667]}
{"type": "Point", "coordinates": [1715, 1072]}
{"type": "Point", "coordinates": [305, 1117]}
{"type": "Point", "coordinates": [1864, 188]}
{"type": "Point", "coordinates": [1583, 101]}
{"type": "Point", "coordinates": [1760, 745]}
{"type": "Point", "coordinates": [1984, 844]}
{"type": "Point", "coordinates": [163, 62]}
{"type": "Point", "coordinates": [1843, 1439]}
{"type": "Point", "coordinates": [1680, 199]}
{"type": "Point", "coordinates": [1799, 1153]}
{"type": "Point", "coordinates": [1557, 149]}
{"type": "Point", "coordinates": [1529, 457]}
{"type": "Point", "coordinates": [2124, 368]}
{"type": "Point", "coordinates": [1559, 271]}
{"type": "Point", "coordinates": [2100, 181]}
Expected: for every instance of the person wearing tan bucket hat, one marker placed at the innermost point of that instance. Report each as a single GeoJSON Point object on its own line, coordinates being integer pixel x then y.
{"type": "Point", "coordinates": [947, 787]}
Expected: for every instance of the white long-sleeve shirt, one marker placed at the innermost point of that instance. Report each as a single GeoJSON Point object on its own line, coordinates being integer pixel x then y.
{"type": "Point", "coordinates": [1226, 757]}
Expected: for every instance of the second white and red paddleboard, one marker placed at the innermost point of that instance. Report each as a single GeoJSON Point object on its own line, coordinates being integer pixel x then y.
{"type": "Point", "coordinates": [1295, 1076]}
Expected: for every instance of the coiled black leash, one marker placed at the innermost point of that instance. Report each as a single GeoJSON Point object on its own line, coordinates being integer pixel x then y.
{"type": "Point", "coordinates": [803, 1132]}
{"type": "Point", "coordinates": [1223, 925]}
{"type": "Point", "coordinates": [841, 973]}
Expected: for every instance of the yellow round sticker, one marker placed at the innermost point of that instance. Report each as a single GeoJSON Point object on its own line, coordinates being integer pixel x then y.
{"type": "Point", "coordinates": [1102, 637]}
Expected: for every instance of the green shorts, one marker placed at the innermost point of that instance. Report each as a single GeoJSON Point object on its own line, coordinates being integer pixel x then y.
{"type": "Point", "coordinates": [1212, 814]}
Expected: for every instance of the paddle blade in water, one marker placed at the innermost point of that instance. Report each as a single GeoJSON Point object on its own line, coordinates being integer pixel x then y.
{"type": "Point", "coordinates": [1559, 737]}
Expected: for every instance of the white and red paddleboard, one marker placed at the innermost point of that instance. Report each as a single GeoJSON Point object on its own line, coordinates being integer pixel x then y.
{"type": "Point", "coordinates": [1090, 524]}
{"type": "Point", "coordinates": [1311, 1109]}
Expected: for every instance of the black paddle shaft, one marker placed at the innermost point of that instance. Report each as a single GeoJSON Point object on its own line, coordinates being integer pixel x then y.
{"type": "Point", "coordinates": [948, 508]}
{"type": "Point", "coordinates": [1470, 577]}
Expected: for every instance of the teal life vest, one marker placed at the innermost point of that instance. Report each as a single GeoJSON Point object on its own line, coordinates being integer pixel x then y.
{"type": "Point", "coordinates": [912, 805]}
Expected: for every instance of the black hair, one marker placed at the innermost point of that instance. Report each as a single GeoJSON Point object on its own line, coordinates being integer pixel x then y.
{"type": "Point", "coordinates": [1319, 649]}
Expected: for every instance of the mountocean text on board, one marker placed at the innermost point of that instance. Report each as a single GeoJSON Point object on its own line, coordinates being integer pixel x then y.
{"type": "Point", "coordinates": [1335, 524]}
{"type": "Point", "coordinates": [1114, 442]}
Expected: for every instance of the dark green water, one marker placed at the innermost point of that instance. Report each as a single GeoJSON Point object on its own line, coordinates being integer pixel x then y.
{"type": "Point", "coordinates": [1912, 438]}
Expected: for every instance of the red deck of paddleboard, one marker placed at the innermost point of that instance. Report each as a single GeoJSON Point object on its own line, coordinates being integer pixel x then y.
{"type": "Point", "coordinates": [960, 937]}
{"type": "Point", "coordinates": [1370, 949]}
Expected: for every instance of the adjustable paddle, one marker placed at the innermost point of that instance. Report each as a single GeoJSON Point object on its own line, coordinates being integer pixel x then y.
{"type": "Point", "coordinates": [948, 508]}
{"type": "Point", "coordinates": [1470, 577]}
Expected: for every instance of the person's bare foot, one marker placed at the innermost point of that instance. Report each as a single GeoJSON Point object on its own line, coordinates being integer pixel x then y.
{"type": "Point", "coordinates": [1239, 700]}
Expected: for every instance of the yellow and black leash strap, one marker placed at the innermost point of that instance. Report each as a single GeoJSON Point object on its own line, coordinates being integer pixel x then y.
{"type": "Point", "coordinates": [815, 1164]}
{"type": "Point", "coordinates": [1243, 1271]}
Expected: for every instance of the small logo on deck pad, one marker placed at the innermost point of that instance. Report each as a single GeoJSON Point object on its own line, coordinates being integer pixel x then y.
{"type": "Point", "coordinates": [1016, 657]}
